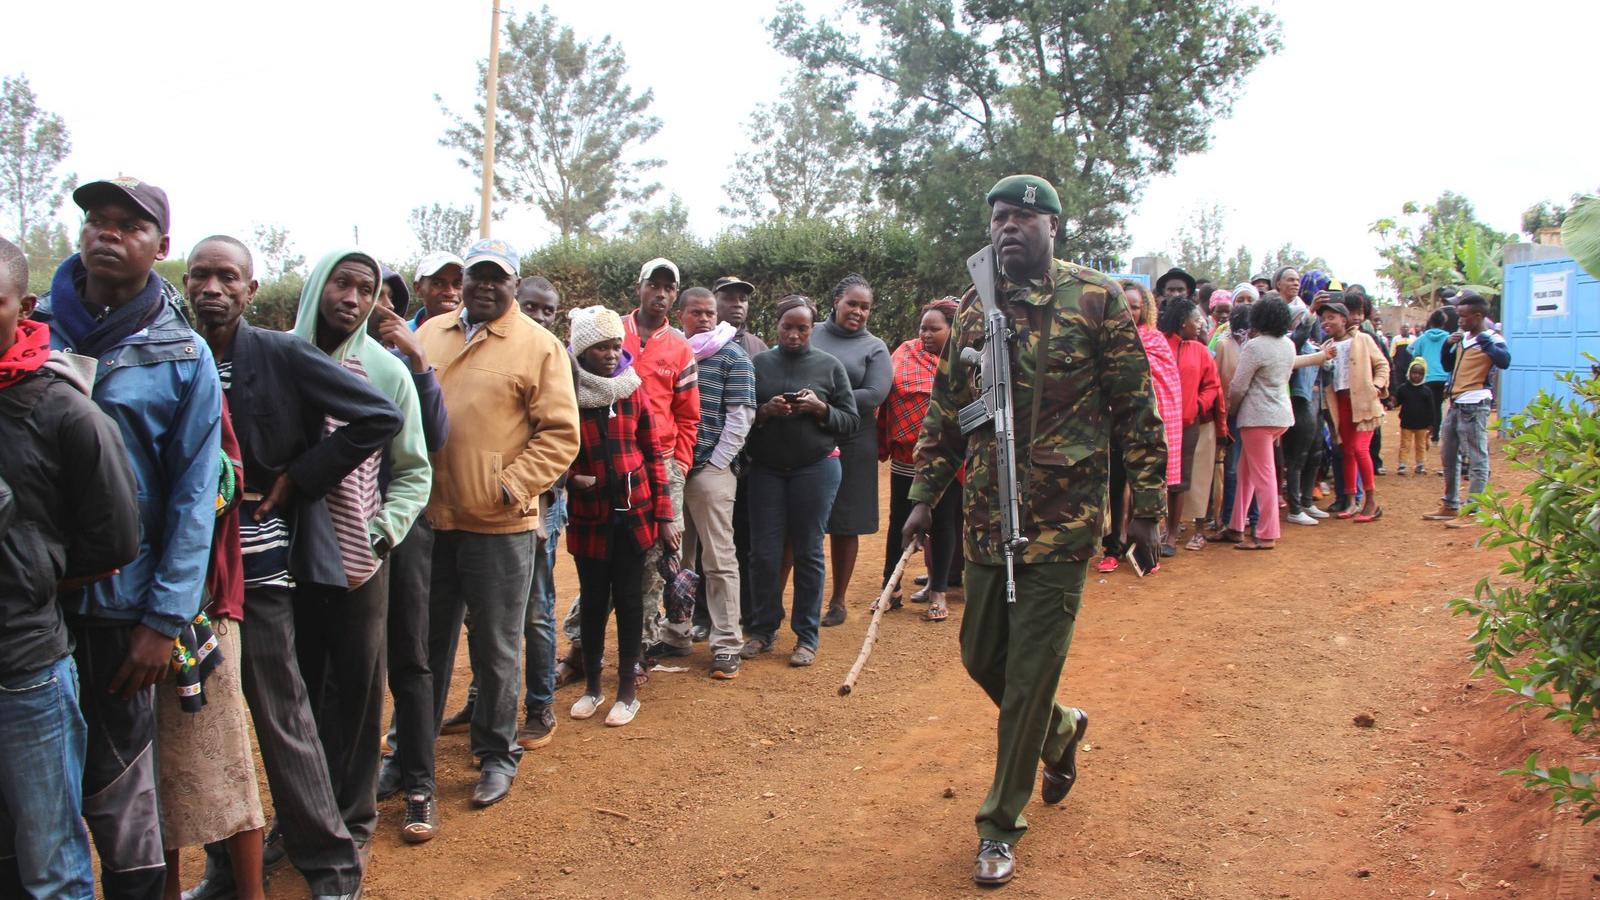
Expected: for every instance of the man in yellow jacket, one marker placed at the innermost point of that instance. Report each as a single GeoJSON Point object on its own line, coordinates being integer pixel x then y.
{"type": "Point", "coordinates": [507, 387]}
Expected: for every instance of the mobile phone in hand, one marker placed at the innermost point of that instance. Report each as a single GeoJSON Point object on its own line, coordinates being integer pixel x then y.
{"type": "Point", "coordinates": [791, 397]}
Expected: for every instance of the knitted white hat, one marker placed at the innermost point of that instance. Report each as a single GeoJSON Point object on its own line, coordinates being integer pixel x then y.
{"type": "Point", "coordinates": [591, 325]}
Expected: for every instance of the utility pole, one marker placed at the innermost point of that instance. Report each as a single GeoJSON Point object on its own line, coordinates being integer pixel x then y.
{"type": "Point", "coordinates": [488, 121]}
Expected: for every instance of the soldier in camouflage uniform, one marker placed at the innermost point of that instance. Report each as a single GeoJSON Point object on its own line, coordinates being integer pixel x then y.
{"type": "Point", "coordinates": [1074, 336]}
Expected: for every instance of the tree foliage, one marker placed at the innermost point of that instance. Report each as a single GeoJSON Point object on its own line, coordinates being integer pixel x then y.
{"type": "Point", "coordinates": [440, 227]}
{"type": "Point", "coordinates": [276, 253]}
{"type": "Point", "coordinates": [1202, 250]}
{"type": "Point", "coordinates": [46, 246]}
{"type": "Point", "coordinates": [1539, 637]}
{"type": "Point", "coordinates": [565, 128]}
{"type": "Point", "coordinates": [662, 223]}
{"type": "Point", "coordinates": [778, 257]}
{"type": "Point", "coordinates": [1094, 95]}
{"type": "Point", "coordinates": [807, 159]}
{"type": "Point", "coordinates": [1429, 247]}
{"type": "Point", "coordinates": [1293, 257]}
{"type": "Point", "coordinates": [33, 144]}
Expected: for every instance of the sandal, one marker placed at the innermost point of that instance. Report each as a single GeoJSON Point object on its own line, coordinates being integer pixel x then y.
{"type": "Point", "coordinates": [1229, 536]}
{"type": "Point", "coordinates": [1376, 515]}
{"type": "Point", "coordinates": [937, 611]}
{"type": "Point", "coordinates": [1198, 542]}
{"type": "Point", "coordinates": [1255, 545]}
{"type": "Point", "coordinates": [1107, 565]}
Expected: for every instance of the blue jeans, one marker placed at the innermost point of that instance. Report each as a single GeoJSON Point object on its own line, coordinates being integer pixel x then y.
{"type": "Point", "coordinates": [1466, 427]}
{"type": "Point", "coordinates": [792, 504]}
{"type": "Point", "coordinates": [44, 847]}
{"type": "Point", "coordinates": [1230, 476]}
{"type": "Point", "coordinates": [539, 677]}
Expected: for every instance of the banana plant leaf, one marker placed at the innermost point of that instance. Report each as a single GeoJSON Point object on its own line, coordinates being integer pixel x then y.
{"type": "Point", "coordinates": [1580, 233]}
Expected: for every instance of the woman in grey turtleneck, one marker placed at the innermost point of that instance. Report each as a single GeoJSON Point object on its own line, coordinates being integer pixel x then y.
{"type": "Point", "coordinates": [866, 359]}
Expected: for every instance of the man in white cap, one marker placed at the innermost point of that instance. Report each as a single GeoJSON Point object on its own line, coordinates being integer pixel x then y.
{"type": "Point", "coordinates": [437, 286]}
{"type": "Point", "coordinates": [514, 430]}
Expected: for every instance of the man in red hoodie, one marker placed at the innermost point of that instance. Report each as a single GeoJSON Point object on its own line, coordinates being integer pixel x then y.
{"type": "Point", "coordinates": [670, 385]}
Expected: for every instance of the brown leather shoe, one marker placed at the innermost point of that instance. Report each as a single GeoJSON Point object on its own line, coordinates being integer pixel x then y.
{"type": "Point", "coordinates": [995, 864]}
{"type": "Point", "coordinates": [1060, 777]}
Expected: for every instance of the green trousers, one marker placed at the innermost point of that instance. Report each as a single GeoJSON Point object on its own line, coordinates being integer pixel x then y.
{"type": "Point", "coordinates": [1015, 653]}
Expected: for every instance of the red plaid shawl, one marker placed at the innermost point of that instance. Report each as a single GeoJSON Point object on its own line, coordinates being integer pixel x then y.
{"type": "Point", "coordinates": [617, 446]}
{"type": "Point", "coordinates": [900, 417]}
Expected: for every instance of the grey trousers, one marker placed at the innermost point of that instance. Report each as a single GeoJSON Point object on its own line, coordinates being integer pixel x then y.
{"type": "Point", "coordinates": [291, 751]}
{"type": "Point", "coordinates": [490, 576]}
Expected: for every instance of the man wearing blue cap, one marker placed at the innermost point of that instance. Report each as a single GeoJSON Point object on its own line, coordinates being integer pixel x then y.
{"type": "Point", "coordinates": [513, 431]}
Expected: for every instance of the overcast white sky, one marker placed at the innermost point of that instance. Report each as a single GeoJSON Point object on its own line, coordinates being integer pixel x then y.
{"type": "Point", "coordinates": [320, 117]}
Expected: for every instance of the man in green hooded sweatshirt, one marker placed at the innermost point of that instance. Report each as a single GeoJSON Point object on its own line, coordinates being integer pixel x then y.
{"type": "Point", "coordinates": [342, 633]}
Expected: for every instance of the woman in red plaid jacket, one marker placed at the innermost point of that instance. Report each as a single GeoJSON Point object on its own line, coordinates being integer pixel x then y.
{"type": "Point", "coordinates": [899, 424]}
{"type": "Point", "coordinates": [619, 500]}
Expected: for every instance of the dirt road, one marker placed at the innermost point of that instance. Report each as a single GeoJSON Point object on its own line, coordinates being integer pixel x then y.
{"type": "Point", "coordinates": [1223, 760]}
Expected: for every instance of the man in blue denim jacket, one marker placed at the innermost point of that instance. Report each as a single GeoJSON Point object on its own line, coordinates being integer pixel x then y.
{"type": "Point", "coordinates": [156, 380]}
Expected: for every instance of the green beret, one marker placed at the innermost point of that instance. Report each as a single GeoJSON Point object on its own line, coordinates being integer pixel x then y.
{"type": "Point", "coordinates": [1029, 191]}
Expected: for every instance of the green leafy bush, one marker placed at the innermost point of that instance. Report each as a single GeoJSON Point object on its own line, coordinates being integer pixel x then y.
{"type": "Point", "coordinates": [1539, 637]}
{"type": "Point", "coordinates": [779, 258]}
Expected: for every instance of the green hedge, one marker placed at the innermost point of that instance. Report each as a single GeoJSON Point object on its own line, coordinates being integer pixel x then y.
{"type": "Point", "coordinates": [778, 258]}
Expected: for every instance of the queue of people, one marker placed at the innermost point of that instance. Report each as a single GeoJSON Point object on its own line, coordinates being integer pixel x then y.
{"type": "Point", "coordinates": [212, 529]}
{"type": "Point", "coordinates": [1295, 392]}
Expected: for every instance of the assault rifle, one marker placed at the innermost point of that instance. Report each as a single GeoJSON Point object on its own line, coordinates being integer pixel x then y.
{"type": "Point", "coordinates": [994, 406]}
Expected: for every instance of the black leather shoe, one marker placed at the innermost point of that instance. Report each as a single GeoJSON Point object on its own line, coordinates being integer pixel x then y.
{"type": "Point", "coordinates": [274, 855]}
{"type": "Point", "coordinates": [1059, 778]}
{"type": "Point", "coordinates": [388, 778]}
{"type": "Point", "coordinates": [995, 864]}
{"type": "Point", "coordinates": [492, 788]}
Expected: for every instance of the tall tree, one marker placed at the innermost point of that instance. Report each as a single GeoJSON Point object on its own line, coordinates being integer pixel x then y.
{"type": "Point", "coordinates": [33, 144]}
{"type": "Point", "coordinates": [566, 128]}
{"type": "Point", "coordinates": [1094, 95]}
{"type": "Point", "coordinates": [807, 160]}
{"type": "Point", "coordinates": [663, 223]}
{"type": "Point", "coordinates": [441, 227]}
{"type": "Point", "coordinates": [1443, 243]}
{"type": "Point", "coordinates": [277, 253]}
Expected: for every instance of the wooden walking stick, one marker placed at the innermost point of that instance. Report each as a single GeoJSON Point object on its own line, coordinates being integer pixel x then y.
{"type": "Point", "coordinates": [877, 616]}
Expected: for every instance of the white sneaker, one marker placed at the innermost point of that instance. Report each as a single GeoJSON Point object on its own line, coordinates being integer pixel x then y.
{"type": "Point", "coordinates": [622, 713]}
{"type": "Point", "coordinates": [1314, 512]}
{"type": "Point", "coordinates": [586, 706]}
{"type": "Point", "coordinates": [1300, 518]}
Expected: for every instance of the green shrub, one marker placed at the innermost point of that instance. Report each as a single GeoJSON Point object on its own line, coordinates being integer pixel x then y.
{"type": "Point", "coordinates": [1540, 636]}
{"type": "Point", "coordinates": [778, 258]}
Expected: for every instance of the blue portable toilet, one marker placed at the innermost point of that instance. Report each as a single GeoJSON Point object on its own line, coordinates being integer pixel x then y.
{"type": "Point", "coordinates": [1551, 313]}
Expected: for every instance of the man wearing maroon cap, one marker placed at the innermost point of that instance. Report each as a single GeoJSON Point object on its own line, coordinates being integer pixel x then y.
{"type": "Point", "coordinates": [156, 379]}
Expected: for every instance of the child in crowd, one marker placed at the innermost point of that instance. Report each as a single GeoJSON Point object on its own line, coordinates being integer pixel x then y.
{"type": "Point", "coordinates": [619, 498]}
{"type": "Point", "coordinates": [1415, 400]}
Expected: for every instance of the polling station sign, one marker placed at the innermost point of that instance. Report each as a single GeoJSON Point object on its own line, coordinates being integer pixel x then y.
{"type": "Point", "coordinates": [1549, 298]}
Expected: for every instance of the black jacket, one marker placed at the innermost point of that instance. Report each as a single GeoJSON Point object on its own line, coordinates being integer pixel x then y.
{"type": "Point", "coordinates": [1418, 407]}
{"type": "Point", "coordinates": [75, 511]}
{"type": "Point", "coordinates": [282, 390]}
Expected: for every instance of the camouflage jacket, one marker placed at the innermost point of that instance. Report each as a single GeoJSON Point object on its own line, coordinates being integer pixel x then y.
{"type": "Point", "coordinates": [1097, 386]}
